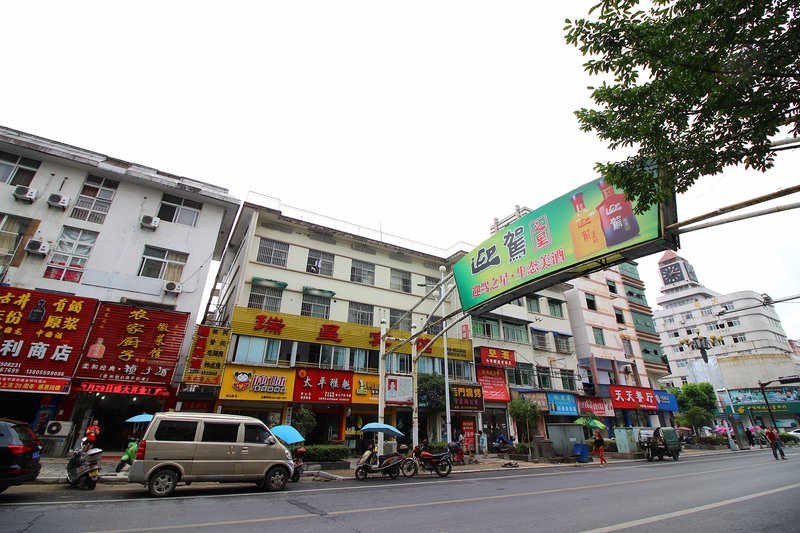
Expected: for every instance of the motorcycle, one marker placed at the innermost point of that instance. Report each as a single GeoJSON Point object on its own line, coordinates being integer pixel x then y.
{"type": "Point", "coordinates": [128, 455]}
{"type": "Point", "coordinates": [83, 468]}
{"type": "Point", "coordinates": [373, 463]}
{"type": "Point", "coordinates": [457, 453]}
{"type": "Point", "coordinates": [441, 463]}
{"type": "Point", "coordinates": [297, 457]}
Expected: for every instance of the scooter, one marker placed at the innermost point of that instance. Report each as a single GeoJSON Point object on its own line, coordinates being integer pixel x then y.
{"type": "Point", "coordinates": [83, 468]}
{"type": "Point", "coordinates": [297, 457]}
{"type": "Point", "coordinates": [441, 463]}
{"type": "Point", "coordinates": [372, 463]}
{"type": "Point", "coordinates": [129, 454]}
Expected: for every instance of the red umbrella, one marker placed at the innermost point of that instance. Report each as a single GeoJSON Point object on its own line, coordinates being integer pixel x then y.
{"type": "Point", "coordinates": [683, 429]}
{"type": "Point", "coordinates": [720, 430]}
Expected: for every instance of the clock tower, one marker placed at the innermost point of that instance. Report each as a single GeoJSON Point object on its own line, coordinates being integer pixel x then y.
{"type": "Point", "coordinates": [676, 270]}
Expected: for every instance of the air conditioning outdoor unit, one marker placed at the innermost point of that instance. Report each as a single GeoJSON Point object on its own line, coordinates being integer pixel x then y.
{"type": "Point", "coordinates": [58, 428]}
{"type": "Point", "coordinates": [58, 200]}
{"type": "Point", "coordinates": [37, 247]}
{"type": "Point", "coordinates": [26, 194]}
{"type": "Point", "coordinates": [148, 221]}
{"type": "Point", "coordinates": [173, 287]}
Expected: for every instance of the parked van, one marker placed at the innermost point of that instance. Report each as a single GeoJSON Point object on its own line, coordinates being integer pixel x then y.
{"type": "Point", "coordinates": [187, 447]}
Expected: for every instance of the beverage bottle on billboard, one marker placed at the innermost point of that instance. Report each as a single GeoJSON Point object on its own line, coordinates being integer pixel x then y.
{"type": "Point", "coordinates": [616, 215]}
{"type": "Point", "coordinates": [585, 229]}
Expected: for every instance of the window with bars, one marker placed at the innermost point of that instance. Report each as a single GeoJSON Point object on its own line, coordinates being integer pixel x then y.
{"type": "Point", "coordinates": [71, 253]}
{"type": "Point", "coordinates": [320, 263]}
{"type": "Point", "coordinates": [400, 280]}
{"type": "Point", "coordinates": [568, 380]}
{"type": "Point", "coordinates": [266, 298]}
{"type": "Point", "coordinates": [272, 252]}
{"type": "Point", "coordinates": [563, 344]}
{"type": "Point", "coordinates": [162, 264]}
{"type": "Point", "coordinates": [179, 210]}
{"type": "Point", "coordinates": [315, 306]}
{"type": "Point", "coordinates": [394, 316]}
{"type": "Point", "coordinates": [361, 314]}
{"type": "Point", "coordinates": [543, 377]}
{"type": "Point", "coordinates": [522, 375]}
{"type": "Point", "coordinates": [95, 199]}
{"type": "Point", "coordinates": [361, 272]}
{"type": "Point", "coordinates": [539, 339]}
{"type": "Point", "coordinates": [17, 170]}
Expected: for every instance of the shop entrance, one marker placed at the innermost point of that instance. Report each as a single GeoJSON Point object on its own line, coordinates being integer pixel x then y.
{"type": "Point", "coordinates": [111, 410]}
{"type": "Point", "coordinates": [495, 423]}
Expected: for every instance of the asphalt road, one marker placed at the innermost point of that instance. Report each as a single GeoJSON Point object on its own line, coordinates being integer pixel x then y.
{"type": "Point", "coordinates": [737, 492]}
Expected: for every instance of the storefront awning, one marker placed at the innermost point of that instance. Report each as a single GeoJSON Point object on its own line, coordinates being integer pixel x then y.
{"type": "Point", "coordinates": [318, 292]}
{"type": "Point", "coordinates": [264, 282]}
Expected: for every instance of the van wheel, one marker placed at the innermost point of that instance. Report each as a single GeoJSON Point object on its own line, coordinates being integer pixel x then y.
{"type": "Point", "coordinates": [275, 479]}
{"type": "Point", "coordinates": [162, 483]}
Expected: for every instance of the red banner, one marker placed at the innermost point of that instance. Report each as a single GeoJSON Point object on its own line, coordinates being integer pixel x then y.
{"type": "Point", "coordinates": [133, 344]}
{"type": "Point", "coordinates": [328, 386]}
{"type": "Point", "coordinates": [633, 398]}
{"type": "Point", "coordinates": [42, 336]}
{"type": "Point", "coordinates": [498, 357]}
{"type": "Point", "coordinates": [598, 406]}
{"type": "Point", "coordinates": [123, 388]}
{"type": "Point", "coordinates": [493, 381]}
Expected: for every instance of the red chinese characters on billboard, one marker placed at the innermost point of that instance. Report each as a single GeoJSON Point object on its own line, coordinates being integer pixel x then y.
{"type": "Point", "coordinates": [329, 386]}
{"type": "Point", "coordinates": [633, 398]}
{"type": "Point", "coordinates": [498, 357]}
{"type": "Point", "coordinates": [42, 336]}
{"type": "Point", "coordinates": [133, 344]}
{"type": "Point", "coordinates": [493, 381]}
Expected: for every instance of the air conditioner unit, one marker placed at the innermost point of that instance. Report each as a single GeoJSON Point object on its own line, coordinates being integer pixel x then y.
{"type": "Point", "coordinates": [58, 200]}
{"type": "Point", "coordinates": [26, 194]}
{"type": "Point", "coordinates": [37, 247]}
{"type": "Point", "coordinates": [149, 222]}
{"type": "Point", "coordinates": [172, 286]}
{"type": "Point", "coordinates": [57, 428]}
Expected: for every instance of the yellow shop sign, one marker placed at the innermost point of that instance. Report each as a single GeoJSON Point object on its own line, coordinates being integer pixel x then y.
{"type": "Point", "coordinates": [242, 382]}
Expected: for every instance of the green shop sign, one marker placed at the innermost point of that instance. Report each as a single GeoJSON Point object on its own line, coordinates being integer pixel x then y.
{"type": "Point", "coordinates": [791, 408]}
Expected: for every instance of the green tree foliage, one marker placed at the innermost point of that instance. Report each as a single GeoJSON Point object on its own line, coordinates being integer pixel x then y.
{"type": "Point", "coordinates": [304, 421]}
{"type": "Point", "coordinates": [698, 417]}
{"type": "Point", "coordinates": [698, 85]}
{"type": "Point", "coordinates": [430, 392]}
{"type": "Point", "coordinates": [695, 395]}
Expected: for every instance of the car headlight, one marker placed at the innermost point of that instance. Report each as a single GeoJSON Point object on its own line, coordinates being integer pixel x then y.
{"type": "Point", "coordinates": [288, 454]}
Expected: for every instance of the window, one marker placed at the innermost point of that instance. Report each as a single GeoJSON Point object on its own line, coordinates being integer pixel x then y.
{"type": "Point", "coordinates": [176, 431]}
{"type": "Point", "coordinates": [95, 199]}
{"type": "Point", "coordinates": [627, 347]}
{"type": "Point", "coordinates": [17, 170]}
{"type": "Point", "coordinates": [680, 364]}
{"type": "Point", "coordinates": [619, 315]}
{"type": "Point", "coordinates": [599, 338]}
{"type": "Point", "coordinates": [741, 337]}
{"type": "Point", "coordinates": [533, 304]}
{"type": "Point", "coordinates": [394, 316]}
{"type": "Point", "coordinates": [362, 360]}
{"type": "Point", "coordinates": [179, 210]}
{"type": "Point", "coordinates": [332, 357]}
{"type": "Point", "coordinates": [555, 307]}
{"type": "Point", "coordinates": [360, 314]}
{"type": "Point", "coordinates": [400, 280]}
{"type": "Point", "coordinates": [688, 316]}
{"type": "Point", "coordinates": [669, 320]}
{"type": "Point", "coordinates": [562, 343]}
{"type": "Point", "coordinates": [398, 363]}
{"type": "Point", "coordinates": [272, 252]}
{"type": "Point", "coordinates": [543, 377]}
{"type": "Point", "coordinates": [11, 231]}
{"type": "Point", "coordinates": [689, 331]}
{"type": "Point", "coordinates": [162, 264]}
{"type": "Point", "coordinates": [254, 434]}
{"type": "Point", "coordinates": [320, 263]}
{"type": "Point", "coordinates": [515, 332]}
{"type": "Point", "coordinates": [459, 369]}
{"type": "Point", "coordinates": [361, 272]}
{"type": "Point", "coordinates": [734, 322]}
{"type": "Point", "coordinates": [430, 365]}
{"type": "Point", "coordinates": [435, 329]}
{"type": "Point", "coordinates": [72, 251]}
{"type": "Point", "coordinates": [522, 375]}
{"type": "Point", "coordinates": [266, 298]}
{"type": "Point", "coordinates": [706, 312]}
{"type": "Point", "coordinates": [727, 307]}
{"type": "Point", "coordinates": [519, 302]}
{"type": "Point", "coordinates": [486, 327]}
{"type": "Point", "coordinates": [568, 380]}
{"type": "Point", "coordinates": [315, 306]}
{"type": "Point", "coordinates": [675, 334]}
{"type": "Point", "coordinates": [539, 339]}
{"type": "Point", "coordinates": [220, 432]}
{"type": "Point", "coordinates": [260, 350]}
{"type": "Point", "coordinates": [612, 287]}
{"type": "Point", "coordinates": [591, 304]}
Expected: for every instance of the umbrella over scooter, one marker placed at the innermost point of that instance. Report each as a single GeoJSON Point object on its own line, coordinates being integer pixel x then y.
{"type": "Point", "coordinates": [287, 434]}
{"type": "Point", "coordinates": [386, 429]}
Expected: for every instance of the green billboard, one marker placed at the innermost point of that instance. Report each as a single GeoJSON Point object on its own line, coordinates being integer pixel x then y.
{"type": "Point", "coordinates": [589, 228]}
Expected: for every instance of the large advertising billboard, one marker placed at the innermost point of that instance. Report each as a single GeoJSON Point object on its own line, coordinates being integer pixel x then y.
{"type": "Point", "coordinates": [589, 228]}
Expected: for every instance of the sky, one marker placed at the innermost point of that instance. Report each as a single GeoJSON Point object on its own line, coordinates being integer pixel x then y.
{"type": "Point", "coordinates": [425, 120]}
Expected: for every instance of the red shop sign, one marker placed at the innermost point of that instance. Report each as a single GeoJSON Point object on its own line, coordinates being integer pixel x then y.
{"type": "Point", "coordinates": [123, 388]}
{"type": "Point", "coordinates": [42, 335]}
{"type": "Point", "coordinates": [493, 381]}
{"type": "Point", "coordinates": [498, 357]}
{"type": "Point", "coordinates": [633, 398]}
{"type": "Point", "coordinates": [328, 386]}
{"type": "Point", "coordinates": [133, 344]}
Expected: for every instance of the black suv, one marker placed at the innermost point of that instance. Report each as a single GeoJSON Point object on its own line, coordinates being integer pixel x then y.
{"type": "Point", "coordinates": [19, 453]}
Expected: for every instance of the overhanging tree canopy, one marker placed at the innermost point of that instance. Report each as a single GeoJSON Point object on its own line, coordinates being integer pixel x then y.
{"type": "Point", "coordinates": [697, 86]}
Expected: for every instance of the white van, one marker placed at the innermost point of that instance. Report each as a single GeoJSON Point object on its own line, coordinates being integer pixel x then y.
{"type": "Point", "coordinates": [187, 447]}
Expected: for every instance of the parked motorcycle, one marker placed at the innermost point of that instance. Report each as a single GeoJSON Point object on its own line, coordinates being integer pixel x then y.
{"type": "Point", "coordinates": [373, 463]}
{"type": "Point", "coordinates": [128, 455]}
{"type": "Point", "coordinates": [457, 452]}
{"type": "Point", "coordinates": [83, 468]}
{"type": "Point", "coordinates": [297, 457]}
{"type": "Point", "coordinates": [441, 463]}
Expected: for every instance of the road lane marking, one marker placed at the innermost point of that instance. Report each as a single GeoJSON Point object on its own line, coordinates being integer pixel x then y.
{"type": "Point", "coordinates": [691, 510]}
{"type": "Point", "coordinates": [395, 507]}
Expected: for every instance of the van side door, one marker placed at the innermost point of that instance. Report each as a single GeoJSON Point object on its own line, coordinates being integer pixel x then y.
{"type": "Point", "coordinates": [173, 441]}
{"type": "Point", "coordinates": [217, 451]}
{"type": "Point", "coordinates": [255, 452]}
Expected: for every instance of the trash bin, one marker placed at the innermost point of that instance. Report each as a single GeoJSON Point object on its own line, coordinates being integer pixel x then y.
{"type": "Point", "coordinates": [582, 451]}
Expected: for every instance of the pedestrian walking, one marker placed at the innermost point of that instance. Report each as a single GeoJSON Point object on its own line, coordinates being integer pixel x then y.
{"type": "Point", "coordinates": [774, 443]}
{"type": "Point", "coordinates": [750, 438]}
{"type": "Point", "coordinates": [483, 444]}
{"type": "Point", "coordinates": [599, 446]}
{"type": "Point", "coordinates": [92, 432]}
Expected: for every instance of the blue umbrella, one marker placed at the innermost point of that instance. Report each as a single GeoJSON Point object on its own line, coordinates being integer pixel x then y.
{"type": "Point", "coordinates": [287, 434]}
{"type": "Point", "coordinates": [144, 417]}
{"type": "Point", "coordinates": [386, 429]}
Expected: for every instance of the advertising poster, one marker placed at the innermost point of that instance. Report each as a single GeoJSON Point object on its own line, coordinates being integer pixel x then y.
{"type": "Point", "coordinates": [41, 340]}
{"type": "Point", "coordinates": [324, 386]}
{"type": "Point", "coordinates": [466, 397]}
{"type": "Point", "coordinates": [399, 390]}
{"type": "Point", "coordinates": [598, 406]}
{"type": "Point", "coordinates": [493, 381]}
{"type": "Point", "coordinates": [241, 382]}
{"type": "Point", "coordinates": [498, 357]}
{"type": "Point", "coordinates": [468, 429]}
{"type": "Point", "coordinates": [207, 355]}
{"type": "Point", "coordinates": [365, 389]}
{"type": "Point", "coordinates": [562, 403]}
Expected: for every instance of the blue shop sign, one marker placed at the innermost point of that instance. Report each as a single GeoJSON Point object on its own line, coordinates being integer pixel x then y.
{"type": "Point", "coordinates": [562, 403]}
{"type": "Point", "coordinates": [666, 401]}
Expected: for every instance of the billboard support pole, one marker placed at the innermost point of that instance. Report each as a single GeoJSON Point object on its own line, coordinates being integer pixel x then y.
{"type": "Point", "coordinates": [381, 381]}
{"type": "Point", "coordinates": [414, 393]}
{"type": "Point", "coordinates": [443, 269]}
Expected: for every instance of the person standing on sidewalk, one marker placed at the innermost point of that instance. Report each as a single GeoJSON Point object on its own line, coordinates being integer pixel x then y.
{"type": "Point", "coordinates": [774, 443]}
{"type": "Point", "coordinates": [92, 432]}
{"type": "Point", "coordinates": [599, 446]}
{"type": "Point", "coordinates": [483, 444]}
